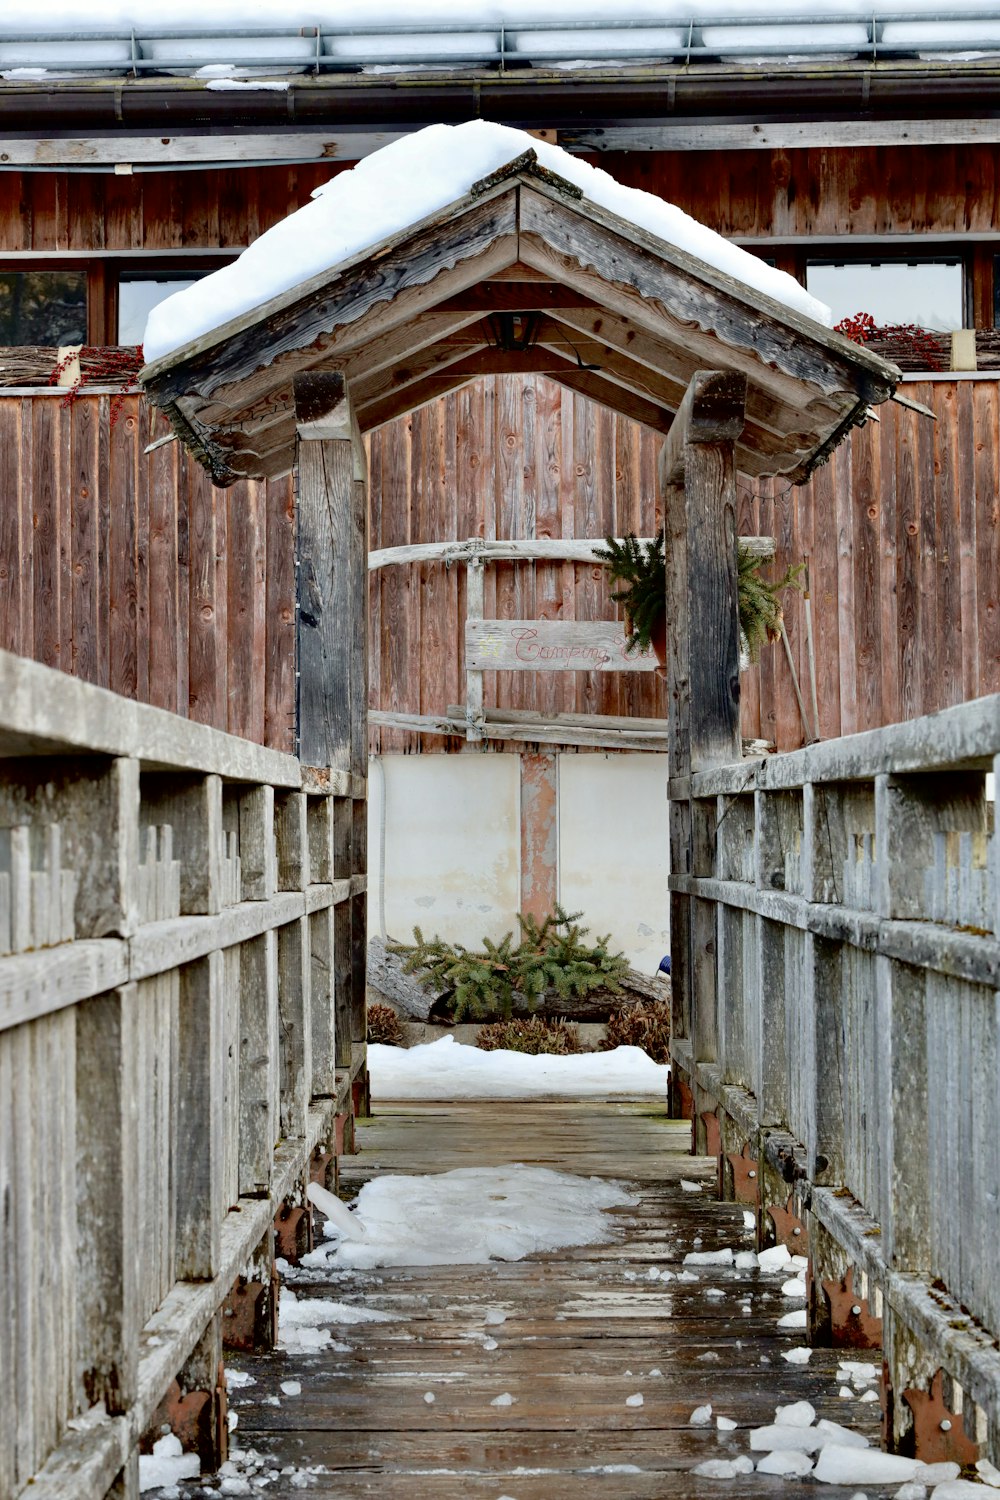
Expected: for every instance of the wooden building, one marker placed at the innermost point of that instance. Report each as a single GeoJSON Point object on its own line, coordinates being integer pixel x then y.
{"type": "Point", "coordinates": [226, 812]}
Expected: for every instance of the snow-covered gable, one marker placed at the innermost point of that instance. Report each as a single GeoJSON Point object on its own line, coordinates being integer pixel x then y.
{"type": "Point", "coordinates": [409, 181]}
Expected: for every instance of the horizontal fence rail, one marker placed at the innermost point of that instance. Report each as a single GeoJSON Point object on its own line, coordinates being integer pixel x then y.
{"type": "Point", "coordinates": [842, 1037]}
{"type": "Point", "coordinates": [181, 1033]}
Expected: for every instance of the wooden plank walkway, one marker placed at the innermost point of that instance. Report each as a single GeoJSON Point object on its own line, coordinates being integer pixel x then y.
{"type": "Point", "coordinates": [582, 1331]}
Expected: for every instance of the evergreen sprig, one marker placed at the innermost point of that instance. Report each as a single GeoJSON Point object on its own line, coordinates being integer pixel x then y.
{"type": "Point", "coordinates": [642, 568]}
{"type": "Point", "coordinates": [551, 955]}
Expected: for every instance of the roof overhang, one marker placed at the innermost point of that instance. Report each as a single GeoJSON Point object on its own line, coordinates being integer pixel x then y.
{"type": "Point", "coordinates": [623, 317]}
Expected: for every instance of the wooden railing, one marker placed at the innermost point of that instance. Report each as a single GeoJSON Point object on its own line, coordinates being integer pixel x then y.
{"type": "Point", "coordinates": [839, 1044]}
{"type": "Point", "coordinates": [181, 1027]}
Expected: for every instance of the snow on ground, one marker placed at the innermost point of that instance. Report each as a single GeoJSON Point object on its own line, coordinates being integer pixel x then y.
{"type": "Point", "coordinates": [167, 1464]}
{"type": "Point", "coordinates": [410, 180]}
{"type": "Point", "coordinates": [446, 1070]}
{"type": "Point", "coordinates": [491, 1213]}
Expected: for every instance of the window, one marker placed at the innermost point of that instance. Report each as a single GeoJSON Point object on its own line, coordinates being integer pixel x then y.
{"type": "Point", "coordinates": [929, 293]}
{"type": "Point", "coordinates": [48, 308]}
{"type": "Point", "coordinates": [137, 295]}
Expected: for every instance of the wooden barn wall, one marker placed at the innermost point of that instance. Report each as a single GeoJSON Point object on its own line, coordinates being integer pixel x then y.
{"type": "Point", "coordinates": [821, 193]}
{"type": "Point", "coordinates": [132, 572]}
{"type": "Point", "coordinates": [901, 530]}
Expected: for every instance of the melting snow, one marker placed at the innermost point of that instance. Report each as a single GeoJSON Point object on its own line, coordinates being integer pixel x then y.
{"type": "Point", "coordinates": [410, 180]}
{"type": "Point", "coordinates": [497, 1213]}
{"type": "Point", "coordinates": [167, 1464]}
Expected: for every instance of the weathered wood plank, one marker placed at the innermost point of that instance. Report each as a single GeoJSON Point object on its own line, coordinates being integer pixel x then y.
{"type": "Point", "coordinates": [551, 646]}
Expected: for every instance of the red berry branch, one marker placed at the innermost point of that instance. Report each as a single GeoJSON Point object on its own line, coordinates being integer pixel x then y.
{"type": "Point", "coordinates": [906, 340]}
{"type": "Point", "coordinates": [103, 366]}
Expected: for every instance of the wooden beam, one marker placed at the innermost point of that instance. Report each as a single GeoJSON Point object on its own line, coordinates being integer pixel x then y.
{"type": "Point", "coordinates": [525, 296]}
{"type": "Point", "coordinates": [623, 334]}
{"type": "Point", "coordinates": [781, 135]}
{"type": "Point", "coordinates": [540, 549]}
{"type": "Point", "coordinates": [326, 538]}
{"type": "Point", "coordinates": [698, 480]}
{"type": "Point", "coordinates": [404, 276]}
{"type": "Point", "coordinates": [498, 362]}
{"type": "Point", "coordinates": [409, 369]}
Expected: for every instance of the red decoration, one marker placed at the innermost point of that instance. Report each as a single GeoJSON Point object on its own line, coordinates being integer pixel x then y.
{"type": "Point", "coordinates": [108, 366]}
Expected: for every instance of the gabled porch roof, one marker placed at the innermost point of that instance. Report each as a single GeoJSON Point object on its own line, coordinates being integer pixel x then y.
{"type": "Point", "coordinates": [523, 273]}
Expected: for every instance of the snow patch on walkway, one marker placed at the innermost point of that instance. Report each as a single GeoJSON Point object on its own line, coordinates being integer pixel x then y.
{"type": "Point", "coordinates": [473, 1216]}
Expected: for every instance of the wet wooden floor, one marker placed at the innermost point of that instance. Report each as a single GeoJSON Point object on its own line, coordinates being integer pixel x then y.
{"type": "Point", "coordinates": [581, 1331]}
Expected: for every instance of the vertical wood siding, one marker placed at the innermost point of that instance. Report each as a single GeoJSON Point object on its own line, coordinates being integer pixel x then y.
{"type": "Point", "coordinates": [901, 531]}
{"type": "Point", "coordinates": [130, 571]}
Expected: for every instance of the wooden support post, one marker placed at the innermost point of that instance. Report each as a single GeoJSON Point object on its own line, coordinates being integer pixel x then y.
{"type": "Point", "coordinates": [106, 1199]}
{"type": "Point", "coordinates": [295, 1027]}
{"type": "Point", "coordinates": [333, 662]}
{"type": "Point", "coordinates": [698, 482]}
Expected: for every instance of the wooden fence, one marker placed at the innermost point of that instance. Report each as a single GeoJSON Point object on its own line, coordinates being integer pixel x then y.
{"type": "Point", "coordinates": [181, 1029]}
{"type": "Point", "coordinates": [130, 571]}
{"type": "Point", "coordinates": [840, 1047]}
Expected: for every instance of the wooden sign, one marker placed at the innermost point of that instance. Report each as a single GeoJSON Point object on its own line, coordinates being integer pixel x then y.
{"type": "Point", "coordinates": [551, 646]}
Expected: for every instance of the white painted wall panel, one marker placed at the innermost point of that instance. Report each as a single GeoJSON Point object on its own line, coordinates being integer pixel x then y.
{"type": "Point", "coordinates": [613, 850]}
{"type": "Point", "coordinates": [452, 845]}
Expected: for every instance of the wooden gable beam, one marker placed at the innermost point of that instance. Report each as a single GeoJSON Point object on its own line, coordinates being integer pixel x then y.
{"type": "Point", "coordinates": [382, 289]}
{"type": "Point", "coordinates": [515, 296]}
{"type": "Point", "coordinates": [629, 338]}
{"type": "Point", "coordinates": [497, 362]}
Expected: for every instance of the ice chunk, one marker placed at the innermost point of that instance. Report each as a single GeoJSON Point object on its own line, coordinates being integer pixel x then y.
{"type": "Point", "coordinates": [749, 1219]}
{"type": "Point", "coordinates": [989, 1473]}
{"type": "Point", "coordinates": [800, 1439]}
{"type": "Point", "coordinates": [797, 1414]}
{"type": "Point", "coordinates": [958, 1489]}
{"type": "Point", "coordinates": [745, 1260]}
{"type": "Point", "coordinates": [743, 1464]}
{"type": "Point", "coordinates": [911, 1490]}
{"type": "Point", "coordinates": [937, 1473]}
{"type": "Point", "coordinates": [690, 1187]}
{"type": "Point", "coordinates": [709, 1258]}
{"type": "Point", "coordinates": [796, 1319]}
{"type": "Point", "coordinates": [291, 1387]}
{"type": "Point", "coordinates": [796, 1356]}
{"type": "Point", "coordinates": [430, 1397]}
{"type": "Point", "coordinates": [869, 1396]}
{"type": "Point", "coordinates": [725, 1424]}
{"type": "Point", "coordinates": [839, 1465]}
{"type": "Point", "coordinates": [701, 1416]}
{"type": "Point", "coordinates": [237, 1379]}
{"type": "Point", "coordinates": [785, 1461]}
{"type": "Point", "coordinates": [336, 1212]}
{"type": "Point", "coordinates": [636, 1400]}
{"type": "Point", "coordinates": [846, 1393]}
{"type": "Point", "coordinates": [717, 1468]}
{"type": "Point", "coordinates": [505, 1400]}
{"type": "Point", "coordinates": [845, 1436]}
{"type": "Point", "coordinates": [793, 1288]}
{"type": "Point", "coordinates": [167, 1464]}
{"type": "Point", "coordinates": [775, 1258]}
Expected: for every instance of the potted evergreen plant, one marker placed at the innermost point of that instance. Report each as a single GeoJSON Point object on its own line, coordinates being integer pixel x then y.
{"type": "Point", "coordinates": [641, 570]}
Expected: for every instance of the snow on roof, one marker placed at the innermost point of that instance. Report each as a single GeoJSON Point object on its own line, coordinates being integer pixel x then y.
{"type": "Point", "coordinates": [408, 181]}
{"type": "Point", "coordinates": [27, 18]}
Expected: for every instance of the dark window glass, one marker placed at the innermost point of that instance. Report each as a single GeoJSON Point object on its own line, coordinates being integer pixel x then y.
{"type": "Point", "coordinates": [43, 307]}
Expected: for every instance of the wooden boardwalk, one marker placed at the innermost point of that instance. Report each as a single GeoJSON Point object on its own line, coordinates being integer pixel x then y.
{"type": "Point", "coordinates": [582, 1331]}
